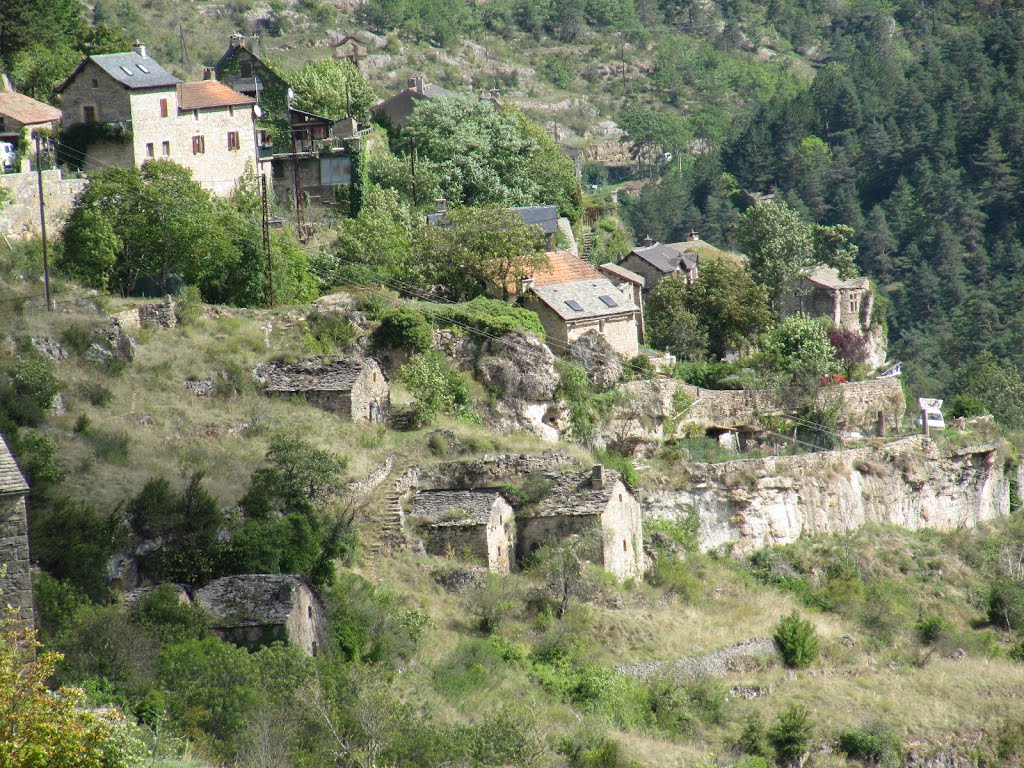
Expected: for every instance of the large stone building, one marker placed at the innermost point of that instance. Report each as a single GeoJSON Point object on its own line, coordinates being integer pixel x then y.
{"type": "Point", "coordinates": [847, 303]}
{"type": "Point", "coordinates": [241, 69]}
{"type": "Point", "coordinates": [476, 524]}
{"type": "Point", "coordinates": [254, 610]}
{"type": "Point", "coordinates": [581, 501]}
{"type": "Point", "coordinates": [15, 575]}
{"type": "Point", "coordinates": [356, 389]}
{"type": "Point", "coordinates": [656, 261]}
{"type": "Point", "coordinates": [122, 109]}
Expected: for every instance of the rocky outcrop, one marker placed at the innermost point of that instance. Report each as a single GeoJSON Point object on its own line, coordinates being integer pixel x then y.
{"type": "Point", "coordinates": [744, 655]}
{"type": "Point", "coordinates": [111, 345]}
{"type": "Point", "coordinates": [755, 503]}
{"type": "Point", "coordinates": [521, 370]}
{"type": "Point", "coordinates": [599, 360]}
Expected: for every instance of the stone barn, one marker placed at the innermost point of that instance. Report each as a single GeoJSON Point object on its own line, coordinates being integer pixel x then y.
{"type": "Point", "coordinates": [479, 524]}
{"type": "Point", "coordinates": [580, 501]}
{"type": "Point", "coordinates": [15, 576]}
{"type": "Point", "coordinates": [255, 610]}
{"type": "Point", "coordinates": [356, 389]}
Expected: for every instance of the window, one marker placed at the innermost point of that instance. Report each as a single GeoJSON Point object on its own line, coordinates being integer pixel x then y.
{"type": "Point", "coordinates": [246, 68]}
{"type": "Point", "coordinates": [198, 145]}
{"type": "Point", "coordinates": [89, 114]}
{"type": "Point", "coordinates": [309, 611]}
{"type": "Point", "coordinates": [149, 150]}
{"type": "Point", "coordinates": [95, 83]}
{"type": "Point", "coordinates": [142, 68]}
{"type": "Point", "coordinates": [166, 148]}
{"type": "Point", "coordinates": [163, 107]}
{"type": "Point", "coordinates": [574, 305]}
{"type": "Point", "coordinates": [127, 71]}
{"type": "Point", "coordinates": [233, 143]}
{"type": "Point", "coordinates": [608, 301]}
{"type": "Point", "coordinates": [625, 547]}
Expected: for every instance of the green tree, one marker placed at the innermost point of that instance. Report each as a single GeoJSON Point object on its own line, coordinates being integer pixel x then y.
{"type": "Point", "coordinates": [494, 245]}
{"type": "Point", "coordinates": [797, 641]}
{"type": "Point", "coordinates": [729, 304]}
{"type": "Point", "coordinates": [799, 347]}
{"type": "Point", "coordinates": [995, 383]}
{"type": "Point", "coordinates": [437, 387]}
{"type": "Point", "coordinates": [790, 737]}
{"type": "Point", "coordinates": [670, 325]}
{"type": "Point", "coordinates": [329, 87]}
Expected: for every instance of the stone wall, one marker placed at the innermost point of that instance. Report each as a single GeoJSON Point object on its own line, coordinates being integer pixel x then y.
{"type": "Point", "coordinates": [909, 482]}
{"type": "Point", "coordinates": [19, 217]}
{"type": "Point", "coordinates": [371, 394]}
{"type": "Point", "coordinates": [623, 533]}
{"type": "Point", "coordinates": [307, 622]}
{"type": "Point", "coordinates": [15, 576]}
{"type": "Point", "coordinates": [488, 471]}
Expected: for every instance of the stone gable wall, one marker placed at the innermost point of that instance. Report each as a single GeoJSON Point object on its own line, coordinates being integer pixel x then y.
{"type": "Point", "coordinates": [19, 217]}
{"type": "Point", "coordinates": [15, 575]}
{"type": "Point", "coordinates": [623, 533]}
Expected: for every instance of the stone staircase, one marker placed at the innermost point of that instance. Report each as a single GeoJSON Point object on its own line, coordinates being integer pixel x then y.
{"type": "Point", "coordinates": [587, 244]}
{"type": "Point", "coordinates": [387, 524]}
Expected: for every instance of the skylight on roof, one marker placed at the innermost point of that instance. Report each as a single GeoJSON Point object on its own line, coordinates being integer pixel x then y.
{"type": "Point", "coordinates": [608, 301]}
{"type": "Point", "coordinates": [127, 71]}
{"type": "Point", "coordinates": [142, 68]}
{"type": "Point", "coordinates": [574, 305]}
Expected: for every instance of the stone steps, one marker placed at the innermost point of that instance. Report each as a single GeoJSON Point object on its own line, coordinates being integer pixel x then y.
{"type": "Point", "coordinates": [390, 535]}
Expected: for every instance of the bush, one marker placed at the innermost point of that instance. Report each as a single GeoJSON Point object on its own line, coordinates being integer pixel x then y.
{"type": "Point", "coordinates": [97, 394]}
{"type": "Point", "coordinates": [33, 386]}
{"type": "Point", "coordinates": [590, 748]}
{"type": "Point", "coordinates": [163, 613]}
{"type": "Point", "coordinates": [190, 306]}
{"type": "Point", "coordinates": [875, 744]}
{"type": "Point", "coordinates": [326, 332]}
{"type": "Point", "coordinates": [672, 574]}
{"type": "Point", "coordinates": [967, 406]}
{"type": "Point", "coordinates": [797, 641]}
{"type": "Point", "coordinates": [490, 316]}
{"type": "Point", "coordinates": [679, 708]}
{"type": "Point", "coordinates": [1006, 603]}
{"type": "Point", "coordinates": [639, 367]}
{"type": "Point", "coordinates": [78, 337]}
{"type": "Point", "coordinates": [438, 388]}
{"type": "Point", "coordinates": [885, 613]}
{"type": "Point", "coordinates": [754, 739]}
{"type": "Point", "coordinates": [930, 629]}
{"type": "Point", "coordinates": [492, 601]}
{"type": "Point", "coordinates": [1017, 652]}
{"type": "Point", "coordinates": [790, 737]}
{"type": "Point", "coordinates": [110, 446]}
{"type": "Point", "coordinates": [406, 329]}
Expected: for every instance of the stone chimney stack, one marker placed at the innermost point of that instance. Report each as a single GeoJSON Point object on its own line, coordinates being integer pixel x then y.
{"type": "Point", "coordinates": [416, 83]}
{"type": "Point", "coordinates": [139, 48]}
{"type": "Point", "coordinates": [442, 205]}
{"type": "Point", "coordinates": [236, 41]}
{"type": "Point", "coordinates": [209, 73]}
{"type": "Point", "coordinates": [597, 477]}
{"type": "Point", "coordinates": [648, 242]}
{"type": "Point", "coordinates": [254, 43]}
{"type": "Point", "coordinates": [693, 235]}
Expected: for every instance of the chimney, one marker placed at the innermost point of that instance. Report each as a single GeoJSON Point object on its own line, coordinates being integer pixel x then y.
{"type": "Point", "coordinates": [5, 83]}
{"type": "Point", "coordinates": [139, 48]}
{"type": "Point", "coordinates": [597, 477]}
{"type": "Point", "coordinates": [525, 285]}
{"type": "Point", "coordinates": [648, 242]}
{"type": "Point", "coordinates": [236, 41]}
{"type": "Point", "coordinates": [442, 205]}
{"type": "Point", "coordinates": [693, 234]}
{"type": "Point", "coordinates": [254, 43]}
{"type": "Point", "coordinates": [209, 73]}
{"type": "Point", "coordinates": [416, 83]}
{"type": "Point", "coordinates": [495, 93]}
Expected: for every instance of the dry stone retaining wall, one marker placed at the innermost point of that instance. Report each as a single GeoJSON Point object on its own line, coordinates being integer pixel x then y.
{"type": "Point", "coordinates": [19, 217]}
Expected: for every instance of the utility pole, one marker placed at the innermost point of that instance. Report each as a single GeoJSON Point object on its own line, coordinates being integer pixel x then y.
{"type": "Point", "coordinates": [300, 222]}
{"type": "Point", "coordinates": [184, 51]}
{"type": "Point", "coordinates": [268, 285]}
{"type": "Point", "coordinates": [412, 166]}
{"type": "Point", "coordinates": [42, 227]}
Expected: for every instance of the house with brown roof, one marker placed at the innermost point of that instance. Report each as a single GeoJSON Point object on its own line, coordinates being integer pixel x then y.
{"type": "Point", "coordinates": [255, 610]}
{"type": "Point", "coordinates": [122, 109]}
{"type": "Point", "coordinates": [579, 502]}
{"type": "Point", "coordinates": [242, 70]}
{"type": "Point", "coordinates": [19, 111]}
{"type": "Point", "coordinates": [395, 111]}
{"type": "Point", "coordinates": [15, 574]}
{"type": "Point", "coordinates": [656, 261]}
{"type": "Point", "coordinates": [847, 303]}
{"type": "Point", "coordinates": [354, 389]}
{"type": "Point", "coordinates": [475, 524]}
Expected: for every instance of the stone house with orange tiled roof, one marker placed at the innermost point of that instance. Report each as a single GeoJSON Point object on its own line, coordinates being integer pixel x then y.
{"type": "Point", "coordinates": [19, 111]}
{"type": "Point", "coordinates": [122, 109]}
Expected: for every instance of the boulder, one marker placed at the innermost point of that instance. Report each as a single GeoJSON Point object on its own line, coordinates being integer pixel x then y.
{"type": "Point", "coordinates": [519, 367]}
{"type": "Point", "coordinates": [111, 345]}
{"type": "Point", "coordinates": [50, 349]}
{"type": "Point", "coordinates": [599, 360]}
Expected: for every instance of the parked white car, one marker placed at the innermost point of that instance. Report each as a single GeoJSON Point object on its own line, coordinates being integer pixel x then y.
{"type": "Point", "coordinates": [8, 155]}
{"type": "Point", "coordinates": [930, 408]}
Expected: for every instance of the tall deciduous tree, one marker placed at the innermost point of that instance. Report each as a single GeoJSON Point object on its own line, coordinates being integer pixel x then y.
{"type": "Point", "coordinates": [328, 87]}
{"type": "Point", "coordinates": [670, 325]}
{"type": "Point", "coordinates": [729, 304]}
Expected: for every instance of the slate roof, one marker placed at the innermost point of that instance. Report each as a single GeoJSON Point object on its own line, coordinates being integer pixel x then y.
{"type": "Point", "coordinates": [827, 277]}
{"type": "Point", "coordinates": [25, 109]}
{"type": "Point", "coordinates": [11, 479]}
{"type": "Point", "coordinates": [426, 91]}
{"type": "Point", "coordinates": [586, 294]}
{"type": "Point", "coordinates": [543, 216]}
{"type": "Point", "coordinates": [318, 374]}
{"type": "Point", "coordinates": [209, 94]}
{"type": "Point", "coordinates": [250, 600]}
{"type": "Point", "coordinates": [119, 65]}
{"type": "Point", "coordinates": [628, 275]}
{"type": "Point", "coordinates": [665, 258]}
{"type": "Point", "coordinates": [436, 507]}
{"type": "Point", "coordinates": [564, 267]}
{"type": "Point", "coordinates": [573, 493]}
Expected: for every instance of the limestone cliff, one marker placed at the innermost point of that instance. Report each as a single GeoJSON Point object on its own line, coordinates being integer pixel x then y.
{"type": "Point", "coordinates": [910, 482]}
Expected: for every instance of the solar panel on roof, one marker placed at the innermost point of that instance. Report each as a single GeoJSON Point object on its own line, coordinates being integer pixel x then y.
{"type": "Point", "coordinates": [608, 301]}
{"type": "Point", "coordinates": [574, 306]}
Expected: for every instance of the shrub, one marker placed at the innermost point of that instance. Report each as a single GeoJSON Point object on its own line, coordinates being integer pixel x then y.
{"type": "Point", "coordinates": [404, 328]}
{"type": "Point", "coordinates": [190, 305]}
{"type": "Point", "coordinates": [797, 641]}
{"type": "Point", "coordinates": [590, 748]}
{"type": "Point", "coordinates": [163, 613]}
{"type": "Point", "coordinates": [78, 337]}
{"type": "Point", "coordinates": [1006, 603]}
{"type": "Point", "coordinates": [492, 601]}
{"type": "Point", "coordinates": [326, 332]}
{"type": "Point", "coordinates": [1017, 652]}
{"type": "Point", "coordinates": [621, 464]}
{"type": "Point", "coordinates": [790, 737]}
{"type": "Point", "coordinates": [37, 456]}
{"type": "Point", "coordinates": [438, 388]}
{"type": "Point", "coordinates": [679, 708]}
{"type": "Point", "coordinates": [81, 424]}
{"type": "Point", "coordinates": [97, 394]}
{"type": "Point", "coordinates": [876, 744]}
{"type": "Point", "coordinates": [639, 367]}
{"type": "Point", "coordinates": [672, 574]}
{"type": "Point", "coordinates": [885, 613]}
{"type": "Point", "coordinates": [111, 446]}
{"type": "Point", "coordinates": [931, 628]}
{"type": "Point", "coordinates": [754, 739]}
{"type": "Point", "coordinates": [491, 316]}
{"type": "Point", "coordinates": [33, 387]}
{"type": "Point", "coordinates": [967, 406]}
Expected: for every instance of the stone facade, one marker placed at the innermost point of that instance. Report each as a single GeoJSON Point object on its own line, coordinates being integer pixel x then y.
{"type": "Point", "coordinates": [910, 483]}
{"type": "Point", "coordinates": [257, 609]}
{"type": "Point", "coordinates": [847, 303]}
{"type": "Point", "coordinates": [355, 389]}
{"type": "Point", "coordinates": [620, 330]}
{"type": "Point", "coordinates": [19, 217]}
{"type": "Point", "coordinates": [15, 574]}
{"type": "Point", "coordinates": [213, 138]}
{"type": "Point", "coordinates": [474, 524]}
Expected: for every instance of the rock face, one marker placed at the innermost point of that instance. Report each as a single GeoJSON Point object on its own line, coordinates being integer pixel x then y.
{"type": "Point", "coordinates": [521, 369]}
{"type": "Point", "coordinates": [599, 360]}
{"type": "Point", "coordinates": [111, 345]}
{"type": "Point", "coordinates": [756, 503]}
